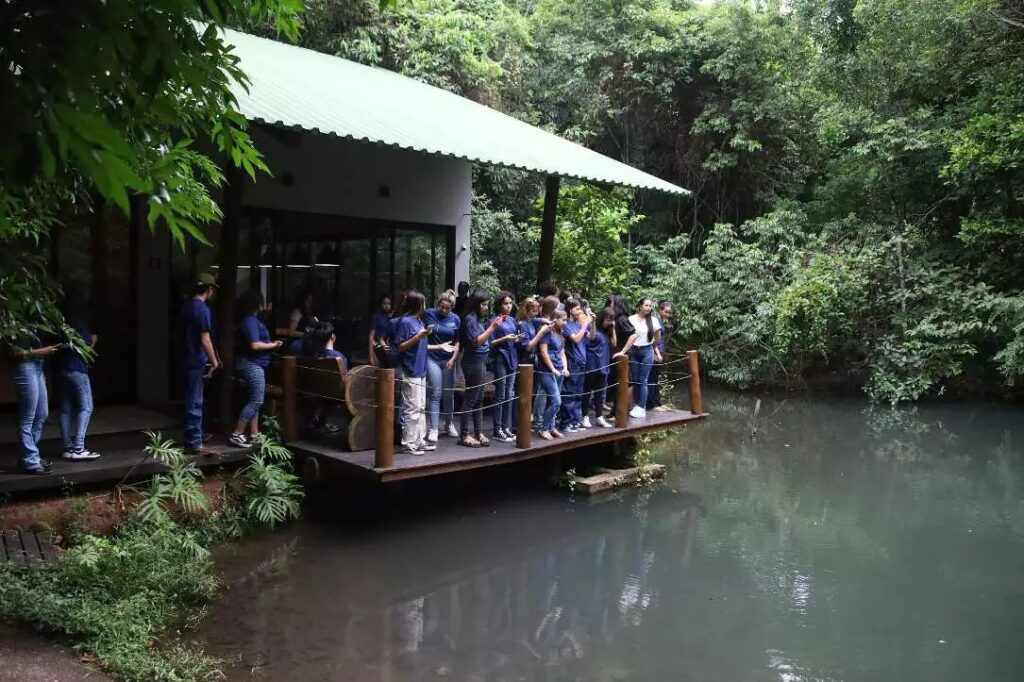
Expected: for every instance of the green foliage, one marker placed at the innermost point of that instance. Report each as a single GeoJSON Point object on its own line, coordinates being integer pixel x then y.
{"type": "Point", "coordinates": [113, 111]}
{"type": "Point", "coordinates": [120, 598]}
{"type": "Point", "coordinates": [590, 255]}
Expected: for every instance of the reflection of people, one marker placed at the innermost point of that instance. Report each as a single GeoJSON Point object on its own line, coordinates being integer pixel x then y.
{"type": "Point", "coordinates": [442, 357]}
{"type": "Point", "coordinates": [27, 357]}
{"type": "Point", "coordinates": [199, 359]}
{"type": "Point", "coordinates": [379, 329]}
{"type": "Point", "coordinates": [72, 373]}
{"type": "Point", "coordinates": [302, 320]}
{"type": "Point", "coordinates": [254, 346]}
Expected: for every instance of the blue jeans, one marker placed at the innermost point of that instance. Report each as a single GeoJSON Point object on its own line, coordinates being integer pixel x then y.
{"type": "Point", "coordinates": [255, 380]}
{"type": "Point", "coordinates": [551, 388]}
{"type": "Point", "coordinates": [504, 394]}
{"type": "Point", "coordinates": [641, 359]}
{"type": "Point", "coordinates": [572, 400]}
{"type": "Point", "coordinates": [30, 389]}
{"type": "Point", "coordinates": [75, 408]}
{"type": "Point", "coordinates": [440, 392]}
{"type": "Point", "coordinates": [193, 407]}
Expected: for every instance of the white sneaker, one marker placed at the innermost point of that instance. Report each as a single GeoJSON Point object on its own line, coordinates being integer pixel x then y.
{"type": "Point", "coordinates": [80, 455]}
{"type": "Point", "coordinates": [586, 423]}
{"type": "Point", "coordinates": [604, 423]}
{"type": "Point", "coordinates": [638, 412]}
{"type": "Point", "coordinates": [412, 450]}
{"type": "Point", "coordinates": [432, 436]}
{"type": "Point", "coordinates": [239, 440]}
{"type": "Point", "coordinates": [427, 447]}
{"type": "Point", "coordinates": [452, 431]}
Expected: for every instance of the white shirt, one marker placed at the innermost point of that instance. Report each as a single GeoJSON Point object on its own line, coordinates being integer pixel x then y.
{"type": "Point", "coordinates": [640, 325]}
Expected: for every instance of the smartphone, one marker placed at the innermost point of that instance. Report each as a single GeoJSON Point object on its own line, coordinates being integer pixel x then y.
{"type": "Point", "coordinates": [431, 327]}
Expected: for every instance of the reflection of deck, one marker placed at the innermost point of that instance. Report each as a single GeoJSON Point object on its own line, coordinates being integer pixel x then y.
{"type": "Point", "coordinates": [450, 457]}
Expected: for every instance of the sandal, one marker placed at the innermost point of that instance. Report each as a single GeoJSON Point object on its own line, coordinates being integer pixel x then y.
{"type": "Point", "coordinates": [483, 440]}
{"type": "Point", "coordinates": [469, 442]}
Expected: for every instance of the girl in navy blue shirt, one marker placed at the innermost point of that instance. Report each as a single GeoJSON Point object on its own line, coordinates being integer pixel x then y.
{"type": "Point", "coordinates": [576, 333]}
{"type": "Point", "coordinates": [476, 343]}
{"type": "Point", "coordinates": [505, 358]}
{"type": "Point", "coordinates": [551, 373]}
{"type": "Point", "coordinates": [599, 356]}
{"type": "Point", "coordinates": [254, 346]}
{"type": "Point", "coordinates": [410, 342]}
{"type": "Point", "coordinates": [379, 328]}
{"type": "Point", "coordinates": [442, 358]}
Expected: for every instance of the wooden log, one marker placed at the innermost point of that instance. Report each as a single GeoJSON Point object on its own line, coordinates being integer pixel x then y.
{"type": "Point", "coordinates": [289, 400]}
{"type": "Point", "coordinates": [15, 551]}
{"type": "Point", "coordinates": [524, 430]}
{"type": "Point", "coordinates": [362, 432]}
{"type": "Point", "coordinates": [385, 413]}
{"type": "Point", "coordinates": [622, 392]}
{"type": "Point", "coordinates": [696, 401]}
{"type": "Point", "coordinates": [361, 389]}
{"type": "Point", "coordinates": [609, 479]}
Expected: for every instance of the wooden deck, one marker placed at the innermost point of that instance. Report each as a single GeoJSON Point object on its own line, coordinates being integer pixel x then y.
{"type": "Point", "coordinates": [26, 548]}
{"type": "Point", "coordinates": [451, 457]}
{"type": "Point", "coordinates": [125, 464]}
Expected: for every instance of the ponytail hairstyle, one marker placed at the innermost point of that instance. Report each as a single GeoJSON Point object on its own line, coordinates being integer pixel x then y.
{"type": "Point", "coordinates": [413, 304]}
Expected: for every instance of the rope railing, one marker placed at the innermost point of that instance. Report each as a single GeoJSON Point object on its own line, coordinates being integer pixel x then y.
{"type": "Point", "coordinates": [386, 382]}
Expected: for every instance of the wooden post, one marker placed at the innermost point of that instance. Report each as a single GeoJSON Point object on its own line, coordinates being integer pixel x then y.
{"type": "Point", "coordinates": [547, 230]}
{"type": "Point", "coordinates": [228, 290]}
{"type": "Point", "coordinates": [622, 391]}
{"type": "Point", "coordinates": [525, 405]}
{"type": "Point", "coordinates": [289, 399]}
{"type": "Point", "coordinates": [385, 418]}
{"type": "Point", "coordinates": [696, 403]}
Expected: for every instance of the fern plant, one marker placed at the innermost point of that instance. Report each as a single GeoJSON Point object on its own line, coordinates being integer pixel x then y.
{"type": "Point", "coordinates": [178, 488]}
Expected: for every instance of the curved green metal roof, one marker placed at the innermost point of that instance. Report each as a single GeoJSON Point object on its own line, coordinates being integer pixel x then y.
{"type": "Point", "coordinates": [294, 87]}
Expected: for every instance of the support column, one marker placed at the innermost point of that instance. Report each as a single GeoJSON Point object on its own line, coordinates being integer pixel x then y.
{"type": "Point", "coordinates": [525, 406]}
{"type": "Point", "coordinates": [150, 284]}
{"type": "Point", "coordinates": [384, 455]}
{"type": "Point", "coordinates": [622, 392]}
{"type": "Point", "coordinates": [227, 279]}
{"type": "Point", "coordinates": [696, 401]}
{"type": "Point", "coordinates": [547, 230]}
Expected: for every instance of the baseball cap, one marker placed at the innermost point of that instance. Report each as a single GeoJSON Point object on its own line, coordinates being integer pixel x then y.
{"type": "Point", "coordinates": [206, 279]}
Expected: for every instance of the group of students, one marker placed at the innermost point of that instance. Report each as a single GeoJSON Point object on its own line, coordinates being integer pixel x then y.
{"type": "Point", "coordinates": [571, 347]}
{"type": "Point", "coordinates": [29, 358]}
{"type": "Point", "coordinates": [308, 337]}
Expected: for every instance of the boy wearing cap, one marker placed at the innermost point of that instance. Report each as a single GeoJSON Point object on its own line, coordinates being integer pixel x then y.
{"type": "Point", "coordinates": [199, 360]}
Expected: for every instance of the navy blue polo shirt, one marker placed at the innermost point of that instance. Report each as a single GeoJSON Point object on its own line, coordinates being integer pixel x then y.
{"type": "Point", "coordinates": [474, 328]}
{"type": "Point", "coordinates": [555, 343]}
{"type": "Point", "coordinates": [598, 353]}
{"type": "Point", "coordinates": [251, 330]}
{"type": "Point", "coordinates": [575, 352]}
{"type": "Point", "coordinates": [446, 330]}
{"type": "Point", "coordinates": [414, 360]}
{"type": "Point", "coordinates": [506, 352]}
{"type": "Point", "coordinates": [193, 319]}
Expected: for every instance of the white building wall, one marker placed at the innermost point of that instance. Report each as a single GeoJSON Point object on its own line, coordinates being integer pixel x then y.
{"type": "Point", "coordinates": [329, 176]}
{"type": "Point", "coordinates": [319, 174]}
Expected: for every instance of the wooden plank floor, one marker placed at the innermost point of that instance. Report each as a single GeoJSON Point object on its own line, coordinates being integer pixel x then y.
{"type": "Point", "coordinates": [128, 464]}
{"type": "Point", "coordinates": [450, 456]}
{"type": "Point", "coordinates": [26, 548]}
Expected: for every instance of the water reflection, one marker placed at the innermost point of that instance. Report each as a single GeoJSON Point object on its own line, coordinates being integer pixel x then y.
{"type": "Point", "coordinates": [839, 542]}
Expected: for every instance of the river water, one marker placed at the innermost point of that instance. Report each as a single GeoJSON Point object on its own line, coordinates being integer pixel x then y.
{"type": "Point", "coordinates": [837, 542]}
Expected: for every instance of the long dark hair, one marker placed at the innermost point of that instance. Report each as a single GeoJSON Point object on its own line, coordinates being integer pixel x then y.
{"type": "Point", "coordinates": [606, 313]}
{"type": "Point", "coordinates": [619, 305]}
{"type": "Point", "coordinates": [476, 299]}
{"type": "Point", "coordinates": [496, 306]}
{"type": "Point", "coordinates": [649, 319]}
{"type": "Point", "coordinates": [413, 304]}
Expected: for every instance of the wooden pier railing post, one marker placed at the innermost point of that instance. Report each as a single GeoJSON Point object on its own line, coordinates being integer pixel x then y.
{"type": "Point", "coordinates": [289, 398]}
{"type": "Point", "coordinates": [385, 452]}
{"type": "Point", "coordinates": [696, 402]}
{"type": "Point", "coordinates": [524, 429]}
{"type": "Point", "coordinates": [622, 392]}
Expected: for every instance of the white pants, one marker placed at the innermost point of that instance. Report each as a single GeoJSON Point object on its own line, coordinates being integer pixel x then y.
{"type": "Point", "coordinates": [414, 412]}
